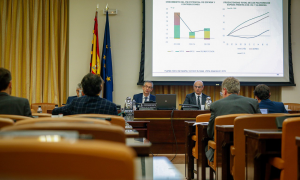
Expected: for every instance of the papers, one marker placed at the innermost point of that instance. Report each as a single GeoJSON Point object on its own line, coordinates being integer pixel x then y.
{"type": "Point", "coordinates": [204, 123]}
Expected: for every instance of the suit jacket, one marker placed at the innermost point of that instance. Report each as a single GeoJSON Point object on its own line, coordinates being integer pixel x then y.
{"type": "Point", "coordinates": [14, 105]}
{"type": "Point", "coordinates": [191, 99]}
{"type": "Point", "coordinates": [70, 99]}
{"type": "Point", "coordinates": [272, 106]}
{"type": "Point", "coordinates": [233, 104]}
{"type": "Point", "coordinates": [87, 105]}
{"type": "Point", "coordinates": [139, 98]}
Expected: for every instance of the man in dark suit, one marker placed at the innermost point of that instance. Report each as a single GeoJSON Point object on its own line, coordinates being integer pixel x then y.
{"type": "Point", "coordinates": [91, 103]}
{"type": "Point", "coordinates": [78, 92]}
{"type": "Point", "coordinates": [231, 103]}
{"type": "Point", "coordinates": [10, 104]}
{"type": "Point", "coordinates": [197, 97]}
{"type": "Point", "coordinates": [145, 96]}
{"type": "Point", "coordinates": [262, 94]}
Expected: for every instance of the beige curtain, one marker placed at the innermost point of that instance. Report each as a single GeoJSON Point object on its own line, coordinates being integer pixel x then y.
{"type": "Point", "coordinates": [33, 46]}
{"type": "Point", "coordinates": [212, 91]}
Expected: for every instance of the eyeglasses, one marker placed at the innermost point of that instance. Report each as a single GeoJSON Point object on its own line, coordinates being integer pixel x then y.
{"type": "Point", "coordinates": [198, 87]}
{"type": "Point", "coordinates": [221, 94]}
{"type": "Point", "coordinates": [148, 87]}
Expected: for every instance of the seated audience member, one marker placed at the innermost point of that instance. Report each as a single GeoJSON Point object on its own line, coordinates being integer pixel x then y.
{"type": "Point", "coordinates": [197, 97]}
{"type": "Point", "coordinates": [10, 104]}
{"type": "Point", "coordinates": [91, 103]}
{"type": "Point", "coordinates": [78, 91]}
{"type": "Point", "coordinates": [232, 103]}
{"type": "Point", "coordinates": [262, 94]}
{"type": "Point", "coordinates": [145, 96]}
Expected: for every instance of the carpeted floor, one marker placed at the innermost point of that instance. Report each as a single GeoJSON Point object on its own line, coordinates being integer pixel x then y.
{"type": "Point", "coordinates": [179, 163]}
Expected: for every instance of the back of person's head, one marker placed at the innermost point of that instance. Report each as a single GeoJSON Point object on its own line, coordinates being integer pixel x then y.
{"type": "Point", "coordinates": [262, 91]}
{"type": "Point", "coordinates": [91, 84]}
{"type": "Point", "coordinates": [5, 78]}
{"type": "Point", "coordinates": [232, 85]}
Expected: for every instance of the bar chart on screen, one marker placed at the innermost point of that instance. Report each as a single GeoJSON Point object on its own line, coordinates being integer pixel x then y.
{"type": "Point", "coordinates": [189, 24]}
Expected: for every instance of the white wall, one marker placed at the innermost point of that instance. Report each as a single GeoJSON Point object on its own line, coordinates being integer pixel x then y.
{"type": "Point", "coordinates": [291, 94]}
{"type": "Point", "coordinates": [126, 37]}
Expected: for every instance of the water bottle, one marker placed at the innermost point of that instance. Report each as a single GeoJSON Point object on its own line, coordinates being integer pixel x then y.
{"type": "Point", "coordinates": [128, 109]}
{"type": "Point", "coordinates": [207, 103]}
{"type": "Point", "coordinates": [80, 93]}
{"type": "Point", "coordinates": [39, 110]}
{"type": "Point", "coordinates": [128, 103]}
{"type": "Point", "coordinates": [133, 105]}
{"type": "Point", "coordinates": [56, 106]}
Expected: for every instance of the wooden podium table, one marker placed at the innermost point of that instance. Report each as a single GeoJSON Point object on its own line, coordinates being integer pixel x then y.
{"type": "Point", "coordinates": [161, 125]}
{"type": "Point", "coordinates": [260, 145]}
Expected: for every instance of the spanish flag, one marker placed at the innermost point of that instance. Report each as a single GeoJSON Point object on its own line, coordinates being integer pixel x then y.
{"type": "Point", "coordinates": [95, 60]}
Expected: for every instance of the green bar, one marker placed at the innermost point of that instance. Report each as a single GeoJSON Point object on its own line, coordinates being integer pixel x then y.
{"type": "Point", "coordinates": [176, 31]}
{"type": "Point", "coordinates": [207, 33]}
{"type": "Point", "coordinates": [192, 35]}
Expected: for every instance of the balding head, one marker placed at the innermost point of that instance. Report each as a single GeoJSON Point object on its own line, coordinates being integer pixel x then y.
{"type": "Point", "coordinates": [198, 87]}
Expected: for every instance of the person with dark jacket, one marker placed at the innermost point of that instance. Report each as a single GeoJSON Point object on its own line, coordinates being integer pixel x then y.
{"type": "Point", "coordinates": [90, 103]}
{"type": "Point", "coordinates": [145, 96]}
{"type": "Point", "coordinates": [262, 94]}
{"type": "Point", "coordinates": [197, 97]}
{"type": "Point", "coordinates": [10, 104]}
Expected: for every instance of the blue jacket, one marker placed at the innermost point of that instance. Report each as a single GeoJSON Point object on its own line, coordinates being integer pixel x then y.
{"type": "Point", "coordinates": [70, 99]}
{"type": "Point", "coordinates": [272, 106]}
{"type": "Point", "coordinates": [139, 98]}
{"type": "Point", "coordinates": [87, 105]}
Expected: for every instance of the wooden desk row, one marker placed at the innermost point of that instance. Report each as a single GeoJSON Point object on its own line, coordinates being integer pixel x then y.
{"type": "Point", "coordinates": [261, 144]}
{"type": "Point", "coordinates": [225, 133]}
{"type": "Point", "coordinates": [156, 126]}
{"type": "Point", "coordinates": [160, 126]}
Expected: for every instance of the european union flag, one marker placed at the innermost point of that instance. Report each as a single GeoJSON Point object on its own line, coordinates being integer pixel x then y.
{"type": "Point", "coordinates": [106, 72]}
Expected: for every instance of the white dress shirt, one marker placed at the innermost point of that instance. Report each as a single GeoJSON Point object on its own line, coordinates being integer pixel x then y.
{"type": "Point", "coordinates": [148, 98]}
{"type": "Point", "coordinates": [197, 99]}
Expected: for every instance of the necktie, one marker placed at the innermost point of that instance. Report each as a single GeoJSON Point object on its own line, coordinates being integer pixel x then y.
{"type": "Point", "coordinates": [199, 103]}
{"type": "Point", "coordinates": [146, 99]}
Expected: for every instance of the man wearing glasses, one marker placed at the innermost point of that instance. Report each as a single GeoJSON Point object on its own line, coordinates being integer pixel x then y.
{"type": "Point", "coordinates": [197, 97]}
{"type": "Point", "coordinates": [145, 96]}
{"type": "Point", "coordinates": [232, 103]}
{"type": "Point", "coordinates": [78, 92]}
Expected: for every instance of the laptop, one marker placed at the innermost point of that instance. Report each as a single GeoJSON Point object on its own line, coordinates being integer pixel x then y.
{"type": "Point", "coordinates": [264, 111]}
{"type": "Point", "coordinates": [166, 101]}
{"type": "Point", "coordinates": [280, 119]}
